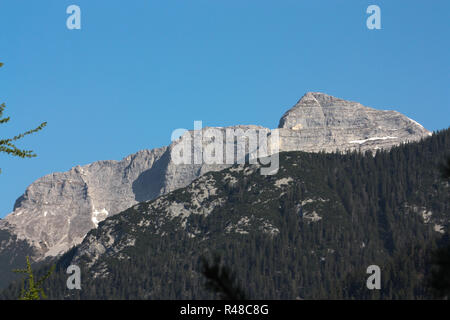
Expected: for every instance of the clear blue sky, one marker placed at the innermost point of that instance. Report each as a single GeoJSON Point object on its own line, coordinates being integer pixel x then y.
{"type": "Point", "coordinates": [139, 69]}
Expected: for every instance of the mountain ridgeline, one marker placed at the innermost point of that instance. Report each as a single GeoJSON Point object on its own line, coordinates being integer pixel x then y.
{"type": "Point", "coordinates": [308, 232]}
{"type": "Point", "coordinates": [57, 211]}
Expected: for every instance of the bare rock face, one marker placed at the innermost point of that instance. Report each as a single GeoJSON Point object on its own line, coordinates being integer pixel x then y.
{"type": "Point", "coordinates": [56, 212]}
{"type": "Point", "coordinates": [322, 122]}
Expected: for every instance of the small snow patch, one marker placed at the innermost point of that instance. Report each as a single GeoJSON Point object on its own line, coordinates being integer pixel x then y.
{"type": "Point", "coordinates": [415, 122]}
{"type": "Point", "coordinates": [98, 216]}
{"type": "Point", "coordinates": [371, 139]}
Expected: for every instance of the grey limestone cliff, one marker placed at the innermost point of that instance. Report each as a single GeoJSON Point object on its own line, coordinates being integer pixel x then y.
{"type": "Point", "coordinates": [322, 122]}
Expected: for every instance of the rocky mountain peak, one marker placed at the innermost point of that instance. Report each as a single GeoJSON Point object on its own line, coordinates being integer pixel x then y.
{"type": "Point", "coordinates": [322, 122]}
{"type": "Point", "coordinates": [315, 107]}
{"type": "Point", "coordinates": [318, 99]}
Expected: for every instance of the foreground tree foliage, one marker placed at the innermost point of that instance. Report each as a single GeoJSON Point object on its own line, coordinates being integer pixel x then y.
{"type": "Point", "coordinates": [8, 145]}
{"type": "Point", "coordinates": [34, 290]}
{"type": "Point", "coordinates": [221, 280]}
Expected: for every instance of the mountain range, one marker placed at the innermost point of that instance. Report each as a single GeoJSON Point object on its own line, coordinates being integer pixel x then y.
{"type": "Point", "coordinates": [57, 211]}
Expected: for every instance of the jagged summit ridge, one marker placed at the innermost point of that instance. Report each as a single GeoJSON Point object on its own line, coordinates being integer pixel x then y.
{"type": "Point", "coordinates": [322, 122]}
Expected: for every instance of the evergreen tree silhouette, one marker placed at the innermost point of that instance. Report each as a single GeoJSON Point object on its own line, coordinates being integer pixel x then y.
{"type": "Point", "coordinates": [34, 290]}
{"type": "Point", "coordinates": [221, 280]}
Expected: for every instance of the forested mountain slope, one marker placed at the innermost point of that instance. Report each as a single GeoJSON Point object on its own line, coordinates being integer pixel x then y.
{"type": "Point", "coordinates": [308, 232]}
